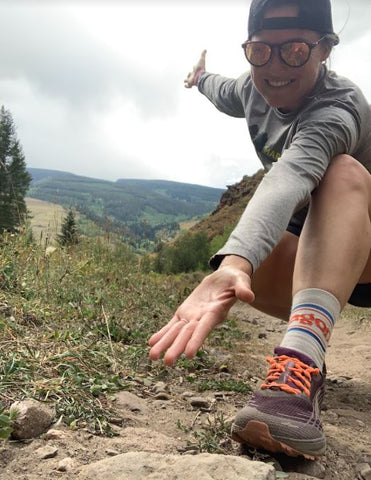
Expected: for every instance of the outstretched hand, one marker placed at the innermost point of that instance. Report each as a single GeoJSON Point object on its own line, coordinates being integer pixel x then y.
{"type": "Point", "coordinates": [200, 67]}
{"type": "Point", "coordinates": [200, 313]}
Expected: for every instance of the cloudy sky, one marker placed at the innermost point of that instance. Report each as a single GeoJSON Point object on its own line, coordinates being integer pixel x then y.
{"type": "Point", "coordinates": [96, 87]}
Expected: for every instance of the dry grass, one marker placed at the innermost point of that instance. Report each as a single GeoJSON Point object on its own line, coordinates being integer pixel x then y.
{"type": "Point", "coordinates": [46, 219]}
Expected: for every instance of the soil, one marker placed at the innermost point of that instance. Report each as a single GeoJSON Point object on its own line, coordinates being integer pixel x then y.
{"type": "Point", "coordinates": [154, 425]}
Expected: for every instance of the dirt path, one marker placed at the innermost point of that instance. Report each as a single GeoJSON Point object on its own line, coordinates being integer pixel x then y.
{"type": "Point", "coordinates": [152, 423]}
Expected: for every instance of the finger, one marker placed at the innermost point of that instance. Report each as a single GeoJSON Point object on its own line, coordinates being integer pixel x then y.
{"type": "Point", "coordinates": [166, 341]}
{"type": "Point", "coordinates": [203, 58]}
{"type": "Point", "coordinates": [202, 330]}
{"type": "Point", "coordinates": [158, 335]}
{"type": "Point", "coordinates": [179, 344]}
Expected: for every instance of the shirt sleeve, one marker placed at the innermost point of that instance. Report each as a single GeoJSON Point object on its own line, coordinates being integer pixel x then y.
{"type": "Point", "coordinates": [288, 185]}
{"type": "Point", "coordinates": [223, 92]}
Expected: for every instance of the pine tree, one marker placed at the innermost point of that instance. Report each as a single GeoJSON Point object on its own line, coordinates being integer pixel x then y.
{"type": "Point", "coordinates": [68, 235]}
{"type": "Point", "coordinates": [14, 178]}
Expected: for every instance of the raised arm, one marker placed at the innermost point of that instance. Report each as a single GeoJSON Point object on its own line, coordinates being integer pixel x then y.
{"type": "Point", "coordinates": [193, 76]}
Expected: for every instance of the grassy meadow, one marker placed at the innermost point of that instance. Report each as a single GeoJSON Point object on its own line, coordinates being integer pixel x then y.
{"type": "Point", "coordinates": [46, 218]}
{"type": "Point", "coordinates": [74, 325]}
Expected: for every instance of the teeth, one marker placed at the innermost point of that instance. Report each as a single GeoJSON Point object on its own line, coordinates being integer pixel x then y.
{"type": "Point", "coordinates": [278, 84]}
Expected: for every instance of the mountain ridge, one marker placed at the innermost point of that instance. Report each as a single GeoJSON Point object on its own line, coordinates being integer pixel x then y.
{"type": "Point", "coordinates": [138, 209]}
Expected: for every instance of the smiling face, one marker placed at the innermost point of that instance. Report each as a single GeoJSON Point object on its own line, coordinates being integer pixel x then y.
{"type": "Point", "coordinates": [282, 86]}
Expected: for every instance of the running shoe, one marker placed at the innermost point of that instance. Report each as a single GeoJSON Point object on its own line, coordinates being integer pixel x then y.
{"type": "Point", "coordinates": [284, 414]}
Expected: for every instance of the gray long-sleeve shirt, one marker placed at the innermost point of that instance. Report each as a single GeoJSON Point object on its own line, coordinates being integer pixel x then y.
{"type": "Point", "coordinates": [295, 149]}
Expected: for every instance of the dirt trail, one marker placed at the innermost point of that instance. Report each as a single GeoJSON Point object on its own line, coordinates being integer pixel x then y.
{"type": "Point", "coordinates": [153, 426]}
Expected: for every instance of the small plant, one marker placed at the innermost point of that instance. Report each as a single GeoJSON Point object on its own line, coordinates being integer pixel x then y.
{"type": "Point", "coordinates": [6, 422]}
{"type": "Point", "coordinates": [214, 436]}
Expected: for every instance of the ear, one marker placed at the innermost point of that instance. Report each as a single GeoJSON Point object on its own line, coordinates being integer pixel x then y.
{"type": "Point", "coordinates": [326, 49]}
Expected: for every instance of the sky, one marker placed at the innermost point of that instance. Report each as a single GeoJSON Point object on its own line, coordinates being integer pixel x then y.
{"type": "Point", "coordinates": [96, 88]}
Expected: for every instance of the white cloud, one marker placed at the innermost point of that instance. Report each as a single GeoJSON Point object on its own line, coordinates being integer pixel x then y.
{"type": "Point", "coordinates": [97, 89]}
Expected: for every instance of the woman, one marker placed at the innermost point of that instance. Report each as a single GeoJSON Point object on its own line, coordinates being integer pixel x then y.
{"type": "Point", "coordinates": [301, 250]}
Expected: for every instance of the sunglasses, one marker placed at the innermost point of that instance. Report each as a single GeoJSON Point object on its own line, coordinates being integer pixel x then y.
{"type": "Point", "coordinates": [294, 53]}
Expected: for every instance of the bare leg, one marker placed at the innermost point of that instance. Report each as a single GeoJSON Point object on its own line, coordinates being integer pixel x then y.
{"type": "Point", "coordinates": [272, 282]}
{"type": "Point", "coordinates": [334, 247]}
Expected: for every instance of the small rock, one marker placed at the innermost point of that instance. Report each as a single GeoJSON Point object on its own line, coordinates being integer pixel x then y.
{"type": "Point", "coordinates": [118, 421]}
{"type": "Point", "coordinates": [200, 402]}
{"type": "Point", "coordinates": [54, 434]}
{"type": "Point", "coordinates": [160, 387]}
{"type": "Point", "coordinates": [331, 417]}
{"type": "Point", "coordinates": [111, 453]}
{"type": "Point", "coordinates": [162, 396]}
{"type": "Point", "coordinates": [129, 401]}
{"type": "Point", "coordinates": [364, 471]}
{"type": "Point", "coordinates": [46, 452]}
{"type": "Point", "coordinates": [304, 466]}
{"type": "Point", "coordinates": [66, 465]}
{"type": "Point", "coordinates": [270, 329]}
{"type": "Point", "coordinates": [33, 419]}
{"type": "Point", "coordinates": [360, 423]}
{"type": "Point", "coordinates": [187, 394]}
{"type": "Point", "coordinates": [147, 382]}
{"type": "Point", "coordinates": [262, 335]}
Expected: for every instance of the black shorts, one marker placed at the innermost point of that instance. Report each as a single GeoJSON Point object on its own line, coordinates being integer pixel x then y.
{"type": "Point", "coordinates": [361, 296]}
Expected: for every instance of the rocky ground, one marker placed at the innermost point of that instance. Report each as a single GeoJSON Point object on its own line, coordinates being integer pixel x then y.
{"type": "Point", "coordinates": [170, 417]}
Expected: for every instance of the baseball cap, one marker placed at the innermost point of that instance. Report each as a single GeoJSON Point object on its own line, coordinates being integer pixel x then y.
{"type": "Point", "coordinates": [313, 15]}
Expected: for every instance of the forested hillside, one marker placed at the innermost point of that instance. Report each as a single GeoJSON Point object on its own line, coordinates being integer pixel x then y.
{"type": "Point", "coordinates": [138, 209]}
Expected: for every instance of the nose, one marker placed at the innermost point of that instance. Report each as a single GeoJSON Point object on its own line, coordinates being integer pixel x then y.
{"type": "Point", "coordinates": [275, 62]}
{"type": "Point", "coordinates": [275, 57]}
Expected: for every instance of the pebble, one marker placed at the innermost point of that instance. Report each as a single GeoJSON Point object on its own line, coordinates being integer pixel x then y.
{"type": "Point", "coordinates": [360, 423]}
{"type": "Point", "coordinates": [187, 394]}
{"type": "Point", "coordinates": [46, 452]}
{"type": "Point", "coordinates": [364, 471]}
{"type": "Point", "coordinates": [200, 402]}
{"type": "Point", "coordinates": [54, 434]}
{"type": "Point", "coordinates": [111, 453]}
{"type": "Point", "coordinates": [65, 465]}
{"type": "Point", "coordinates": [303, 466]}
{"type": "Point", "coordinates": [129, 401]}
{"type": "Point", "coordinates": [160, 387]}
{"type": "Point", "coordinates": [162, 396]}
{"type": "Point", "coordinates": [33, 418]}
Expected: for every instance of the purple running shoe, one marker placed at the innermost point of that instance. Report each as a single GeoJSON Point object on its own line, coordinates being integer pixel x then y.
{"type": "Point", "coordinates": [284, 415]}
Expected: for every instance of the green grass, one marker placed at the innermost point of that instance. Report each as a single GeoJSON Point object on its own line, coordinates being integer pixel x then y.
{"type": "Point", "coordinates": [212, 437]}
{"type": "Point", "coordinates": [74, 325]}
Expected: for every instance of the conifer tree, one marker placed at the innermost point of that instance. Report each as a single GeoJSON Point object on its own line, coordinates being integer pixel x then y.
{"type": "Point", "coordinates": [68, 235]}
{"type": "Point", "coordinates": [14, 178]}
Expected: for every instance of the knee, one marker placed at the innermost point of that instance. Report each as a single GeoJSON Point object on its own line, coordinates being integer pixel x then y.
{"type": "Point", "coordinates": [345, 175]}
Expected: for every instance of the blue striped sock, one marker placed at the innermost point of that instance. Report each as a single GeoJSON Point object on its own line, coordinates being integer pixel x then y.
{"type": "Point", "coordinates": [312, 319]}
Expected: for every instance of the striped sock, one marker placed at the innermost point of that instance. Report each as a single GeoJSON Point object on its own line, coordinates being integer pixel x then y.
{"type": "Point", "coordinates": [312, 319]}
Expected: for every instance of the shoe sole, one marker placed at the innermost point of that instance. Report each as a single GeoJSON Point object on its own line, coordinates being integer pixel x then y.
{"type": "Point", "coordinates": [257, 435]}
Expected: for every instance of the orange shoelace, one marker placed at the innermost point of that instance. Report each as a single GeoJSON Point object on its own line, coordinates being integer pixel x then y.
{"type": "Point", "coordinates": [298, 374]}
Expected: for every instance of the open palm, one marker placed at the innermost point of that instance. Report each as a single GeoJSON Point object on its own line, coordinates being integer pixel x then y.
{"type": "Point", "coordinates": [200, 313]}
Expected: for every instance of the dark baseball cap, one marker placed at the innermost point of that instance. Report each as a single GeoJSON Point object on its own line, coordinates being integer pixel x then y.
{"type": "Point", "coordinates": [313, 15]}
